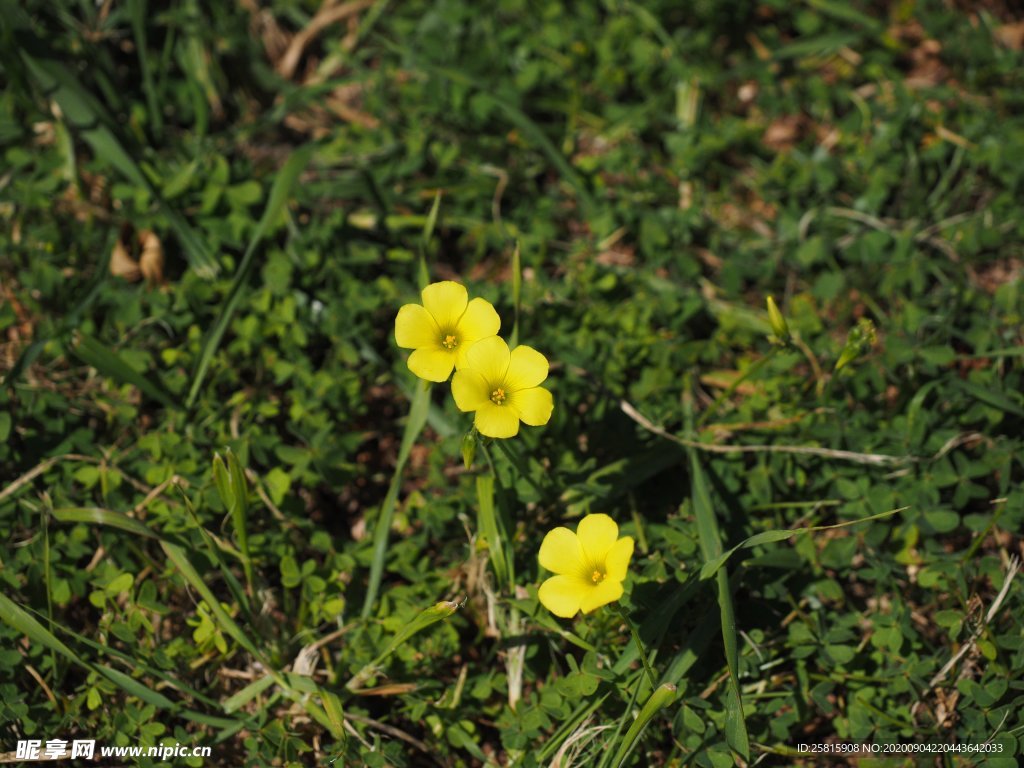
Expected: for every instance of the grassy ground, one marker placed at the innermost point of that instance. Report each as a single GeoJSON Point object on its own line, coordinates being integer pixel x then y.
{"type": "Point", "coordinates": [211, 215]}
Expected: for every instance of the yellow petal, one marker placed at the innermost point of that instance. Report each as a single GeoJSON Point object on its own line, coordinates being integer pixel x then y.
{"type": "Point", "coordinates": [534, 405]}
{"type": "Point", "coordinates": [478, 322]}
{"type": "Point", "coordinates": [415, 328]}
{"type": "Point", "coordinates": [560, 552]}
{"type": "Point", "coordinates": [608, 591]}
{"type": "Point", "coordinates": [527, 368]}
{"type": "Point", "coordinates": [616, 562]}
{"type": "Point", "coordinates": [562, 595]}
{"type": "Point", "coordinates": [470, 390]}
{"type": "Point", "coordinates": [432, 364]}
{"type": "Point", "coordinates": [597, 534]}
{"type": "Point", "coordinates": [489, 357]}
{"type": "Point", "coordinates": [496, 420]}
{"type": "Point", "coordinates": [446, 301]}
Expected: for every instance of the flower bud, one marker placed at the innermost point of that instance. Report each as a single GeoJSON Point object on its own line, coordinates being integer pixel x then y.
{"type": "Point", "coordinates": [469, 448]}
{"type": "Point", "coordinates": [778, 322]}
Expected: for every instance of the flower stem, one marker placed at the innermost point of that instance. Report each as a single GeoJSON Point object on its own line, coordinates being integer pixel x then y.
{"type": "Point", "coordinates": [639, 647]}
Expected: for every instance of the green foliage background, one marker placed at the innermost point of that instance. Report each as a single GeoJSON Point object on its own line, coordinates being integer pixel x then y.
{"type": "Point", "coordinates": [664, 167]}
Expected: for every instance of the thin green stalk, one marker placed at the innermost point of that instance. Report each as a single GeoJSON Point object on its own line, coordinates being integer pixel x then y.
{"type": "Point", "coordinates": [640, 647]}
{"type": "Point", "coordinates": [413, 426]}
{"type": "Point", "coordinates": [517, 289]}
{"type": "Point", "coordinates": [48, 578]}
{"type": "Point", "coordinates": [624, 722]}
{"type": "Point", "coordinates": [711, 548]}
{"type": "Point", "coordinates": [492, 524]}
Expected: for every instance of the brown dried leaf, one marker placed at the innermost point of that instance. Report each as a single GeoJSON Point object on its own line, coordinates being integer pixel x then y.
{"type": "Point", "coordinates": [151, 261]}
{"type": "Point", "coordinates": [783, 134]}
{"type": "Point", "coordinates": [1011, 35]}
{"type": "Point", "coordinates": [122, 264]}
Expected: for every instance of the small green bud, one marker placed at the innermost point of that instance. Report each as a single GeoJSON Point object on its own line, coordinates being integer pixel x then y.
{"type": "Point", "coordinates": [469, 448]}
{"type": "Point", "coordinates": [861, 337]}
{"type": "Point", "coordinates": [779, 326]}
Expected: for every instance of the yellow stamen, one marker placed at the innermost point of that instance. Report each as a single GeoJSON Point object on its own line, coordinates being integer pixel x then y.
{"type": "Point", "coordinates": [450, 342]}
{"type": "Point", "coordinates": [498, 396]}
{"type": "Point", "coordinates": [597, 576]}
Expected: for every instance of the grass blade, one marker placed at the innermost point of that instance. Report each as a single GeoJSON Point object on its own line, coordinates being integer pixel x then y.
{"type": "Point", "coordinates": [112, 365]}
{"type": "Point", "coordinates": [413, 426]}
{"type": "Point", "coordinates": [427, 617]}
{"type": "Point", "coordinates": [191, 575]}
{"type": "Point", "coordinates": [487, 524]}
{"type": "Point", "coordinates": [18, 619]}
{"type": "Point", "coordinates": [134, 688]}
{"type": "Point", "coordinates": [214, 546]}
{"type": "Point", "coordinates": [188, 571]}
{"type": "Point", "coordinates": [423, 276]}
{"type": "Point", "coordinates": [67, 323]}
{"type": "Point", "coordinates": [137, 14]}
{"type": "Point", "coordinates": [711, 549]}
{"type": "Point", "coordinates": [711, 567]}
{"type": "Point", "coordinates": [14, 616]}
{"type": "Point", "coordinates": [103, 517]}
{"type": "Point", "coordinates": [90, 120]}
{"type": "Point", "coordinates": [517, 290]}
{"type": "Point", "coordinates": [659, 700]}
{"type": "Point", "coordinates": [279, 196]}
{"type": "Point", "coordinates": [520, 120]}
{"type": "Point", "coordinates": [234, 494]}
{"type": "Point", "coordinates": [247, 694]}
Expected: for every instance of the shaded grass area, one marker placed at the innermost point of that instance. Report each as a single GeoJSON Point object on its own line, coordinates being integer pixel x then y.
{"type": "Point", "coordinates": [211, 216]}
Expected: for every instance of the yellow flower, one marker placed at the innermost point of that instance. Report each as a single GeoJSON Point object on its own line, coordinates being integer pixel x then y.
{"type": "Point", "coordinates": [502, 387]}
{"type": "Point", "coordinates": [443, 329]}
{"type": "Point", "coordinates": [590, 566]}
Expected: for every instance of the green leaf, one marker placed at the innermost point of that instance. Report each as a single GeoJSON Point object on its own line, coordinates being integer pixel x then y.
{"type": "Point", "coordinates": [280, 193]}
{"type": "Point", "coordinates": [247, 694]}
{"type": "Point", "coordinates": [103, 517]}
{"type": "Point", "coordinates": [134, 688]}
{"type": "Point", "coordinates": [991, 397]}
{"type": "Point", "coordinates": [15, 617]}
{"type": "Point", "coordinates": [90, 120]}
{"type": "Point", "coordinates": [110, 364]}
{"type": "Point", "coordinates": [489, 527]}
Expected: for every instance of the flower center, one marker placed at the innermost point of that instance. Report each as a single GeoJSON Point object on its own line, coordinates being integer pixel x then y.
{"type": "Point", "coordinates": [597, 577]}
{"type": "Point", "coordinates": [449, 342]}
{"type": "Point", "coordinates": [498, 396]}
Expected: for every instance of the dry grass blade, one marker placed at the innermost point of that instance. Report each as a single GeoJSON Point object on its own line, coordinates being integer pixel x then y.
{"type": "Point", "coordinates": [573, 746]}
{"type": "Point", "coordinates": [873, 459]}
{"type": "Point", "coordinates": [40, 468]}
{"type": "Point", "coordinates": [390, 730]}
{"type": "Point", "coordinates": [1011, 573]}
{"type": "Point", "coordinates": [327, 15]}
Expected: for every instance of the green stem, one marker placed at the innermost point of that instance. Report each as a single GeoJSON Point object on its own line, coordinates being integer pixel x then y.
{"type": "Point", "coordinates": [639, 647]}
{"type": "Point", "coordinates": [492, 524]}
{"type": "Point", "coordinates": [413, 426]}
